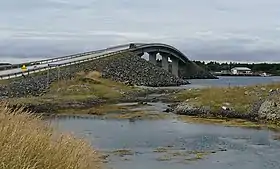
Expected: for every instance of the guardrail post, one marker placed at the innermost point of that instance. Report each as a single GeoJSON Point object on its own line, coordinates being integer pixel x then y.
{"type": "Point", "coordinates": [48, 77]}
{"type": "Point", "coordinates": [58, 76]}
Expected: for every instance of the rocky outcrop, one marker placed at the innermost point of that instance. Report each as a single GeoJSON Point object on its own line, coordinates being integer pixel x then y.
{"type": "Point", "coordinates": [190, 109]}
{"type": "Point", "coordinates": [265, 109]}
{"type": "Point", "coordinates": [269, 109]}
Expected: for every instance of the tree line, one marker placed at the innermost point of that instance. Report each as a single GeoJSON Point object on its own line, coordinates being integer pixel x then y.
{"type": "Point", "coordinates": [272, 68]}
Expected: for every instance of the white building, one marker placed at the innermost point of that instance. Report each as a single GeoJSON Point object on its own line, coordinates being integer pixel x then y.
{"type": "Point", "coordinates": [241, 70]}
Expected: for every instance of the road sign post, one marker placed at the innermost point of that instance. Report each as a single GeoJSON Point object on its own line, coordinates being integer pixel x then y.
{"type": "Point", "coordinates": [23, 69]}
{"type": "Point", "coordinates": [48, 77]}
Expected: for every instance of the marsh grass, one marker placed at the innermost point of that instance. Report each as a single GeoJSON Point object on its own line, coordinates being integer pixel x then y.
{"type": "Point", "coordinates": [99, 110]}
{"type": "Point", "coordinates": [114, 111]}
{"type": "Point", "coordinates": [238, 98]}
{"type": "Point", "coordinates": [27, 142]}
{"type": "Point", "coordinates": [89, 85]}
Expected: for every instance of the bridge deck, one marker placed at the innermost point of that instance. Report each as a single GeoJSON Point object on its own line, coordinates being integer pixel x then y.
{"type": "Point", "coordinates": [17, 70]}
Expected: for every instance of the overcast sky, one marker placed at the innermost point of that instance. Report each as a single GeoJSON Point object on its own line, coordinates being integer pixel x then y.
{"type": "Point", "coordinates": [238, 30]}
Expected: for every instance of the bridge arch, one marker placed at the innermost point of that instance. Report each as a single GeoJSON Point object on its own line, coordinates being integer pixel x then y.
{"type": "Point", "coordinates": [166, 51]}
{"type": "Point", "coordinates": [159, 48]}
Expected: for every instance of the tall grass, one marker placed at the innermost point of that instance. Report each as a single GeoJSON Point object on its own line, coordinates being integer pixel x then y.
{"type": "Point", "coordinates": [26, 142]}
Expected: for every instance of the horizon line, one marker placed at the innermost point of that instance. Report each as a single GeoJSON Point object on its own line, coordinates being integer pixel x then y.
{"type": "Point", "coordinates": [241, 62]}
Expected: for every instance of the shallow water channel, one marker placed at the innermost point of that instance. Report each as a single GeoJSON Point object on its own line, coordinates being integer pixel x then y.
{"type": "Point", "coordinates": [169, 143]}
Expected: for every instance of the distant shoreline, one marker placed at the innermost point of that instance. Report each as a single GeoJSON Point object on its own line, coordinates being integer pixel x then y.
{"type": "Point", "coordinates": [4, 64]}
{"type": "Point", "coordinates": [245, 75]}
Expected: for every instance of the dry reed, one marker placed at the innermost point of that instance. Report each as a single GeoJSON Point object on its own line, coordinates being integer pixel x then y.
{"type": "Point", "coordinates": [26, 142]}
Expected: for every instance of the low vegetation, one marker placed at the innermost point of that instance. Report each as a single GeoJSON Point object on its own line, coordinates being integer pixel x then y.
{"type": "Point", "coordinates": [84, 86]}
{"type": "Point", "coordinates": [27, 142]}
{"type": "Point", "coordinates": [113, 111]}
{"type": "Point", "coordinates": [240, 99]}
{"type": "Point", "coordinates": [232, 106]}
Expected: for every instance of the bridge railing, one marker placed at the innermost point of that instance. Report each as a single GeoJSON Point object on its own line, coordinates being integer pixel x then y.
{"type": "Point", "coordinates": [35, 70]}
{"type": "Point", "coordinates": [62, 58]}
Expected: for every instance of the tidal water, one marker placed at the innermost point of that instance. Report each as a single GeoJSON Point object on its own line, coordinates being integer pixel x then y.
{"type": "Point", "coordinates": [230, 147]}
{"type": "Point", "coordinates": [222, 147]}
{"type": "Point", "coordinates": [225, 81]}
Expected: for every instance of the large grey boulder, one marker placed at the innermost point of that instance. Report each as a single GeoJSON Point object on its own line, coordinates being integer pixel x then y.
{"type": "Point", "coordinates": [270, 109]}
{"type": "Point", "coordinates": [189, 109]}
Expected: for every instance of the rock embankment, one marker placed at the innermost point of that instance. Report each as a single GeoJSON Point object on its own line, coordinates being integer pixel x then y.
{"type": "Point", "coordinates": [126, 68]}
{"type": "Point", "coordinates": [134, 70]}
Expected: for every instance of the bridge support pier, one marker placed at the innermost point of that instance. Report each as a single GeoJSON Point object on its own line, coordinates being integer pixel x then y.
{"type": "Point", "coordinates": [164, 61]}
{"type": "Point", "coordinates": [153, 57]}
{"type": "Point", "coordinates": [175, 66]}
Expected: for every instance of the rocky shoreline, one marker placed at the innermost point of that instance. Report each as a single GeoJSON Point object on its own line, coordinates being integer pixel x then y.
{"type": "Point", "coordinates": [265, 110]}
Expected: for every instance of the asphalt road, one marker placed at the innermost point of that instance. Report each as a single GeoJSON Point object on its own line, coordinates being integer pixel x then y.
{"type": "Point", "coordinates": [106, 51]}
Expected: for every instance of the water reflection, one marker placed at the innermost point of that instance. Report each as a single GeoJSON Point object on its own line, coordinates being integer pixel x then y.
{"type": "Point", "coordinates": [169, 143]}
{"type": "Point", "coordinates": [225, 81]}
{"type": "Point", "coordinates": [224, 147]}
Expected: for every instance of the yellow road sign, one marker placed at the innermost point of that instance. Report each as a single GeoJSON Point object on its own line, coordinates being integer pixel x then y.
{"type": "Point", "coordinates": [23, 68]}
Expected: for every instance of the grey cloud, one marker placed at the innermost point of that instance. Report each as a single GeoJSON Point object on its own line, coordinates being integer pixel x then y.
{"type": "Point", "coordinates": [208, 30]}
